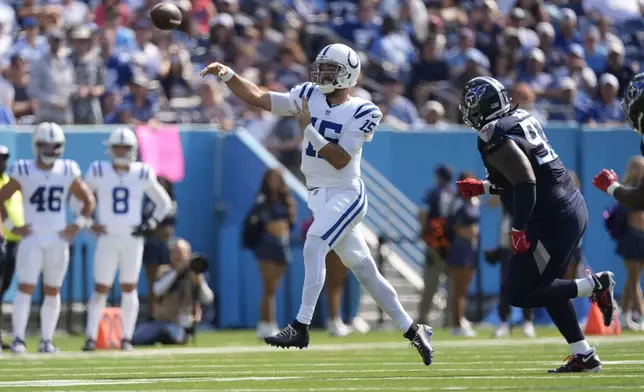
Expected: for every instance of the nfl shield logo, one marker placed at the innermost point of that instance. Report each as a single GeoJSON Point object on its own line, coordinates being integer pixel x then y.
{"type": "Point", "coordinates": [327, 113]}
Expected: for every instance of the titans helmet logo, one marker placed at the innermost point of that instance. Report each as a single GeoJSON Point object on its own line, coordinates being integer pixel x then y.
{"type": "Point", "coordinates": [635, 90]}
{"type": "Point", "coordinates": [473, 95]}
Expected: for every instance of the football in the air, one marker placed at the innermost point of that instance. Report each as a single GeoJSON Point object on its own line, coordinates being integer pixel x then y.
{"type": "Point", "coordinates": [165, 16]}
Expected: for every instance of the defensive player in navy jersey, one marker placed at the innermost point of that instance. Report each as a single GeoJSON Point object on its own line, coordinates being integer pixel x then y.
{"type": "Point", "coordinates": [548, 215]}
{"type": "Point", "coordinates": [607, 180]}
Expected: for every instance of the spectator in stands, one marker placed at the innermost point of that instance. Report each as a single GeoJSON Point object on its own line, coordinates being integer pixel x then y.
{"type": "Point", "coordinates": [291, 70]}
{"type": "Point", "coordinates": [464, 217]}
{"type": "Point", "coordinates": [139, 107]}
{"type": "Point", "coordinates": [431, 218]}
{"type": "Point", "coordinates": [534, 76]}
{"type": "Point", "coordinates": [617, 67]}
{"type": "Point", "coordinates": [258, 122]}
{"type": "Point", "coordinates": [606, 36]}
{"type": "Point", "coordinates": [393, 45]}
{"type": "Point", "coordinates": [201, 13]}
{"type": "Point", "coordinates": [175, 72]}
{"type": "Point", "coordinates": [363, 31]}
{"type": "Point", "coordinates": [7, 93]}
{"type": "Point", "coordinates": [118, 69]}
{"type": "Point", "coordinates": [504, 69]}
{"type": "Point", "coordinates": [276, 208]}
{"type": "Point", "coordinates": [524, 97]}
{"type": "Point", "coordinates": [588, 87]}
{"type": "Point", "coordinates": [111, 106]}
{"type": "Point", "coordinates": [556, 57]}
{"type": "Point", "coordinates": [397, 105]}
{"type": "Point", "coordinates": [269, 38]}
{"type": "Point", "coordinates": [89, 79]}
{"type": "Point", "coordinates": [432, 67]}
{"type": "Point", "coordinates": [595, 54]}
{"type": "Point", "coordinates": [433, 115]}
{"type": "Point", "coordinates": [607, 109]}
{"type": "Point", "coordinates": [456, 56]}
{"type": "Point", "coordinates": [575, 64]}
{"type": "Point", "coordinates": [18, 76]}
{"type": "Point", "coordinates": [52, 83]}
{"type": "Point", "coordinates": [488, 30]}
{"type": "Point", "coordinates": [116, 7]}
{"type": "Point", "coordinates": [30, 45]}
{"type": "Point", "coordinates": [476, 64]}
{"type": "Point", "coordinates": [567, 107]}
{"type": "Point", "coordinates": [568, 33]}
{"type": "Point", "coordinates": [179, 293]}
{"type": "Point", "coordinates": [214, 109]}
{"type": "Point", "coordinates": [285, 142]}
{"type": "Point", "coordinates": [74, 13]}
{"type": "Point", "coordinates": [518, 20]}
{"type": "Point", "coordinates": [631, 248]}
{"type": "Point", "coordinates": [220, 42]}
{"type": "Point", "coordinates": [124, 37]}
{"type": "Point", "coordinates": [149, 53]}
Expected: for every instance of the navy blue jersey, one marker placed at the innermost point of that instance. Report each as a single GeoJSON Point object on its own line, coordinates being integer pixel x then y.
{"type": "Point", "coordinates": [557, 192]}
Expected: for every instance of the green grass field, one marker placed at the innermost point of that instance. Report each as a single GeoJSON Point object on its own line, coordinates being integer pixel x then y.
{"type": "Point", "coordinates": [379, 361]}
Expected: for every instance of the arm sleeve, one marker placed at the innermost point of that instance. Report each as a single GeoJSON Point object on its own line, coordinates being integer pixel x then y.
{"type": "Point", "coordinates": [206, 295]}
{"type": "Point", "coordinates": [158, 195]}
{"type": "Point", "coordinates": [162, 285]}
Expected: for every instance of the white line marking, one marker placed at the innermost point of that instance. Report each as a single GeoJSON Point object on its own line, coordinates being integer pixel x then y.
{"type": "Point", "coordinates": [70, 383]}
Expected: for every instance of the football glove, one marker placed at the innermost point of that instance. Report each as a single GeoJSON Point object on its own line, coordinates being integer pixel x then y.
{"type": "Point", "coordinates": [519, 241]}
{"type": "Point", "coordinates": [471, 187]}
{"type": "Point", "coordinates": [606, 181]}
{"type": "Point", "coordinates": [145, 228]}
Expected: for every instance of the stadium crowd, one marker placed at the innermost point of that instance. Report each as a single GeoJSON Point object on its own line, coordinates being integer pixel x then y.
{"type": "Point", "coordinates": [102, 61]}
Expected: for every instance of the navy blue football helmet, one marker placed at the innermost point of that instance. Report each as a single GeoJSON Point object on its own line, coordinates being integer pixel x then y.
{"type": "Point", "coordinates": [633, 103]}
{"type": "Point", "coordinates": [483, 99]}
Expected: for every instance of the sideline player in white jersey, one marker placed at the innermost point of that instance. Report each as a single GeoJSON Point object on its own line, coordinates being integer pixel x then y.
{"type": "Point", "coordinates": [120, 185]}
{"type": "Point", "coordinates": [45, 183]}
{"type": "Point", "coordinates": [335, 127]}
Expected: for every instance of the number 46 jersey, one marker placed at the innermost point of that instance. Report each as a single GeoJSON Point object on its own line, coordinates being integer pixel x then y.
{"type": "Point", "coordinates": [119, 195]}
{"type": "Point", "coordinates": [45, 193]}
{"type": "Point", "coordinates": [556, 190]}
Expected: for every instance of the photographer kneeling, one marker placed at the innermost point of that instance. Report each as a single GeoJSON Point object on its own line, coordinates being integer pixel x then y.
{"type": "Point", "coordinates": [180, 289]}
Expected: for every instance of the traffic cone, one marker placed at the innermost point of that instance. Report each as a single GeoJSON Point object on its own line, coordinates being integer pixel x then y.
{"type": "Point", "coordinates": [595, 324]}
{"type": "Point", "coordinates": [110, 330]}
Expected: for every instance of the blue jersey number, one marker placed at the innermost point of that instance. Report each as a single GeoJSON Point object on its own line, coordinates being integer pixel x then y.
{"type": "Point", "coordinates": [47, 199]}
{"type": "Point", "coordinates": [324, 126]}
{"type": "Point", "coordinates": [120, 197]}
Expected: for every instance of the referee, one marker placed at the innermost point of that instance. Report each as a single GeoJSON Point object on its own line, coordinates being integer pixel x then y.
{"type": "Point", "coordinates": [13, 216]}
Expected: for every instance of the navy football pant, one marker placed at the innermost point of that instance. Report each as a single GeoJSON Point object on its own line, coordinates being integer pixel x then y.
{"type": "Point", "coordinates": [534, 278]}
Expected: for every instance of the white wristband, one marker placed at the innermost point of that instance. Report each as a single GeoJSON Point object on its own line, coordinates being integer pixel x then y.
{"type": "Point", "coordinates": [228, 75]}
{"type": "Point", "coordinates": [486, 186]}
{"type": "Point", "coordinates": [314, 137]}
{"type": "Point", "coordinates": [83, 222]}
{"type": "Point", "coordinates": [611, 189]}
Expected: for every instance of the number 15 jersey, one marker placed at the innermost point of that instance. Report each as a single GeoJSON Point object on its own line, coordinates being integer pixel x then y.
{"type": "Point", "coordinates": [45, 193]}
{"type": "Point", "coordinates": [119, 195]}
{"type": "Point", "coordinates": [556, 190]}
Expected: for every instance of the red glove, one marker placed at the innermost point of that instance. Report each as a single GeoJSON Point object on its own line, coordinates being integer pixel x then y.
{"type": "Point", "coordinates": [606, 181]}
{"type": "Point", "coordinates": [471, 187]}
{"type": "Point", "coordinates": [520, 243]}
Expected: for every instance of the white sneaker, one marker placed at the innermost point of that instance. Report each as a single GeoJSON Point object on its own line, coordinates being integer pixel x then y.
{"type": "Point", "coordinates": [47, 347]}
{"type": "Point", "coordinates": [464, 332]}
{"type": "Point", "coordinates": [502, 331]}
{"type": "Point", "coordinates": [18, 346]}
{"type": "Point", "coordinates": [528, 329]}
{"type": "Point", "coordinates": [338, 328]}
{"type": "Point", "coordinates": [626, 319]}
{"type": "Point", "coordinates": [360, 325]}
{"type": "Point", "coordinates": [465, 323]}
{"type": "Point", "coordinates": [265, 329]}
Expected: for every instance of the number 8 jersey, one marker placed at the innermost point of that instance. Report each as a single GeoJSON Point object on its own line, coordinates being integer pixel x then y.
{"type": "Point", "coordinates": [119, 195]}
{"type": "Point", "coordinates": [45, 193]}
{"type": "Point", "coordinates": [556, 190]}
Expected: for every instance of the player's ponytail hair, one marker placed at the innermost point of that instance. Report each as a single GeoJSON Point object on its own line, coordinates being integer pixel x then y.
{"type": "Point", "coordinates": [634, 171]}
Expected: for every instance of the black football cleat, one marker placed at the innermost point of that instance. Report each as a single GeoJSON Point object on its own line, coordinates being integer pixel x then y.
{"type": "Point", "coordinates": [604, 295]}
{"type": "Point", "coordinates": [90, 345]}
{"type": "Point", "coordinates": [290, 337]}
{"type": "Point", "coordinates": [422, 342]}
{"type": "Point", "coordinates": [578, 363]}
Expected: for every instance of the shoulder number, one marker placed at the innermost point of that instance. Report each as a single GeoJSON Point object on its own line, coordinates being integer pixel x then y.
{"type": "Point", "coordinates": [534, 135]}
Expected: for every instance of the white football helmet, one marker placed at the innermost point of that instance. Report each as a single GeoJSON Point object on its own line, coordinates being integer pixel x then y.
{"type": "Point", "coordinates": [48, 142]}
{"type": "Point", "coordinates": [122, 146]}
{"type": "Point", "coordinates": [336, 67]}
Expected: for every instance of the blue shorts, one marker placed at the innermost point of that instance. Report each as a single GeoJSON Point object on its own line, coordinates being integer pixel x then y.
{"type": "Point", "coordinates": [462, 253]}
{"type": "Point", "coordinates": [274, 249]}
{"type": "Point", "coordinates": [631, 246]}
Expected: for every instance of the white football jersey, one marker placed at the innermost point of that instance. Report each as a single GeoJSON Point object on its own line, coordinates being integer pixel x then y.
{"type": "Point", "coordinates": [357, 116]}
{"type": "Point", "coordinates": [45, 193]}
{"type": "Point", "coordinates": [119, 195]}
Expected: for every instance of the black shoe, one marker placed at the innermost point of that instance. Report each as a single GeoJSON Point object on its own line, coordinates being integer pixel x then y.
{"type": "Point", "coordinates": [90, 345]}
{"type": "Point", "coordinates": [604, 296]}
{"type": "Point", "coordinates": [422, 342]}
{"type": "Point", "coordinates": [290, 337]}
{"type": "Point", "coordinates": [126, 345]}
{"type": "Point", "coordinates": [580, 363]}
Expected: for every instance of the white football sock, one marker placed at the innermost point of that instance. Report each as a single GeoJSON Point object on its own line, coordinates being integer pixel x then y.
{"type": "Point", "coordinates": [580, 347]}
{"type": "Point", "coordinates": [382, 292]}
{"type": "Point", "coordinates": [49, 312]}
{"type": "Point", "coordinates": [94, 308]}
{"type": "Point", "coordinates": [130, 309]}
{"type": "Point", "coordinates": [315, 250]}
{"type": "Point", "coordinates": [20, 314]}
{"type": "Point", "coordinates": [585, 286]}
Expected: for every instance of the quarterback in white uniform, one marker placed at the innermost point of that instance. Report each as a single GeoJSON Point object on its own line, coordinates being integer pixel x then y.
{"type": "Point", "coordinates": [45, 183]}
{"type": "Point", "coordinates": [119, 186]}
{"type": "Point", "coordinates": [335, 127]}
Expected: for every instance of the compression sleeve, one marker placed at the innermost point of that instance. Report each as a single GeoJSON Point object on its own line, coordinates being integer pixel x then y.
{"type": "Point", "coordinates": [162, 285]}
{"type": "Point", "coordinates": [281, 104]}
{"type": "Point", "coordinates": [525, 198]}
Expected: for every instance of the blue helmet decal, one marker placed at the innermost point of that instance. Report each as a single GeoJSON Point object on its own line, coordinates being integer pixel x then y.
{"type": "Point", "coordinates": [473, 95]}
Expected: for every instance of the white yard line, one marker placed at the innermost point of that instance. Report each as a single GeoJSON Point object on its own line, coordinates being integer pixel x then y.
{"type": "Point", "coordinates": [71, 383]}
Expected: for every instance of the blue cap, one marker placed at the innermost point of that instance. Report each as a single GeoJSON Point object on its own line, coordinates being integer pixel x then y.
{"type": "Point", "coordinates": [29, 22]}
{"type": "Point", "coordinates": [576, 50]}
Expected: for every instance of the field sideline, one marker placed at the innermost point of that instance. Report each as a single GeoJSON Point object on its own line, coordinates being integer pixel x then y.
{"type": "Point", "coordinates": [380, 361]}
